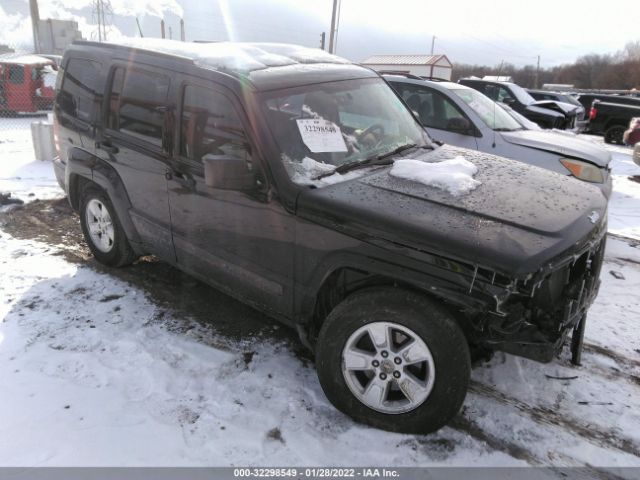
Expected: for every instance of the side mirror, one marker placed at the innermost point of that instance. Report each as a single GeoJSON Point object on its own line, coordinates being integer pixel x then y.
{"type": "Point", "coordinates": [508, 100]}
{"type": "Point", "coordinates": [460, 125]}
{"type": "Point", "coordinates": [227, 173]}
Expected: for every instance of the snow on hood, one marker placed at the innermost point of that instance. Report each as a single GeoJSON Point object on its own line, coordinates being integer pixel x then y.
{"type": "Point", "coordinates": [454, 176]}
{"type": "Point", "coordinates": [241, 57]}
{"type": "Point", "coordinates": [562, 144]}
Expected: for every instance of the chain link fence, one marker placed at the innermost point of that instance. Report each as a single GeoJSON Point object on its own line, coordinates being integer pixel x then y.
{"type": "Point", "coordinates": [27, 86]}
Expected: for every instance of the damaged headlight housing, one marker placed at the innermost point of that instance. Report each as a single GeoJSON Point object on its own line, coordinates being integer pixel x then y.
{"type": "Point", "coordinates": [583, 170]}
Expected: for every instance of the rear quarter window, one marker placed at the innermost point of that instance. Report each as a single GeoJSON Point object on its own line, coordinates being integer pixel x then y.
{"type": "Point", "coordinates": [80, 95]}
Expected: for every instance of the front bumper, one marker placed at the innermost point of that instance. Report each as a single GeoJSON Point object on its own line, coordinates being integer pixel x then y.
{"type": "Point", "coordinates": [538, 317]}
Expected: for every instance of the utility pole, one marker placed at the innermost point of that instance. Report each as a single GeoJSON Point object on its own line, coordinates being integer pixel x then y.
{"type": "Point", "coordinates": [99, 15]}
{"type": "Point", "coordinates": [322, 36]}
{"type": "Point", "coordinates": [433, 42]}
{"type": "Point", "coordinates": [170, 34]}
{"type": "Point", "coordinates": [182, 29]}
{"type": "Point", "coordinates": [332, 35]}
{"type": "Point", "coordinates": [35, 24]}
{"type": "Point", "coordinates": [161, 28]}
{"type": "Point", "coordinates": [535, 83]}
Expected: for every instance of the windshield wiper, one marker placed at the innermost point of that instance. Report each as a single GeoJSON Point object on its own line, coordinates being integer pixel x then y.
{"type": "Point", "coordinates": [375, 160]}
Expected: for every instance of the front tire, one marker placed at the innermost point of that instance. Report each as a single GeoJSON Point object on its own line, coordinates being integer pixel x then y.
{"type": "Point", "coordinates": [395, 360]}
{"type": "Point", "coordinates": [102, 229]}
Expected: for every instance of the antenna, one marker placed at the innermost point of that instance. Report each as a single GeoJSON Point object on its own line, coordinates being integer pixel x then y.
{"type": "Point", "coordinates": [493, 143]}
{"type": "Point", "coordinates": [139, 28]}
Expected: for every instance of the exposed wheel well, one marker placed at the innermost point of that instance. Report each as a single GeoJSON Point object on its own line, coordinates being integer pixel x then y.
{"type": "Point", "coordinates": [344, 282]}
{"type": "Point", "coordinates": [76, 185]}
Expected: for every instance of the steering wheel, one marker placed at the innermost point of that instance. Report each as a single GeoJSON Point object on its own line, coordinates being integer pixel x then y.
{"type": "Point", "coordinates": [377, 130]}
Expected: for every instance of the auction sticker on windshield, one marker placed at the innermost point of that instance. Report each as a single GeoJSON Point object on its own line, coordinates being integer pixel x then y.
{"type": "Point", "coordinates": [321, 136]}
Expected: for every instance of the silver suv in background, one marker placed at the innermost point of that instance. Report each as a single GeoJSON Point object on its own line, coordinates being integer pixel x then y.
{"type": "Point", "coordinates": [458, 115]}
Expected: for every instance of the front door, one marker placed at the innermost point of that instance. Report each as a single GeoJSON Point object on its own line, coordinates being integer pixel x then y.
{"type": "Point", "coordinates": [438, 114]}
{"type": "Point", "coordinates": [240, 241]}
{"type": "Point", "coordinates": [132, 142]}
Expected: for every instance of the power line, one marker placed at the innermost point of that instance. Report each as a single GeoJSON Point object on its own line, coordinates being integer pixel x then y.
{"type": "Point", "coordinates": [102, 14]}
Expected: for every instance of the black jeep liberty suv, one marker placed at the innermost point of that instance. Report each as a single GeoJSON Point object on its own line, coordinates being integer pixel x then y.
{"type": "Point", "coordinates": [265, 171]}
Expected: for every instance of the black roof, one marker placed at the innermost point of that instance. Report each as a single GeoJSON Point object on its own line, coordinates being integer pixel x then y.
{"type": "Point", "coordinates": [266, 66]}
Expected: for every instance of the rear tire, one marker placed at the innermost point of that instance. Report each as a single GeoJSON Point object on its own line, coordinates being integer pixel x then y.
{"type": "Point", "coordinates": [394, 359]}
{"type": "Point", "coordinates": [614, 135]}
{"type": "Point", "coordinates": [102, 229]}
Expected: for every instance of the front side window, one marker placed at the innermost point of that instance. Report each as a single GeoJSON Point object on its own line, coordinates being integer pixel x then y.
{"type": "Point", "coordinates": [137, 104]}
{"type": "Point", "coordinates": [79, 95]}
{"type": "Point", "coordinates": [210, 126]}
{"type": "Point", "coordinates": [319, 127]}
{"type": "Point", "coordinates": [434, 109]}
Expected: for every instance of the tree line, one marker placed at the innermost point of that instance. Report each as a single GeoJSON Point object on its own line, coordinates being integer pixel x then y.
{"type": "Point", "coordinates": [619, 71]}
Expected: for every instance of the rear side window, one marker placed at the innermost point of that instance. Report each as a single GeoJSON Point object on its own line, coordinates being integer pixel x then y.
{"type": "Point", "coordinates": [210, 126]}
{"type": "Point", "coordinates": [79, 95]}
{"type": "Point", "coordinates": [137, 104]}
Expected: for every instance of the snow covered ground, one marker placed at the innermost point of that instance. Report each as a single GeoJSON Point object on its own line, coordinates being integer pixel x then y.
{"type": "Point", "coordinates": [94, 373]}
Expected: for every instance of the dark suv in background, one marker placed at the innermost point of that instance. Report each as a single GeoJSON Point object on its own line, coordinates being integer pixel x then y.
{"type": "Point", "coordinates": [269, 172]}
{"type": "Point", "coordinates": [546, 113]}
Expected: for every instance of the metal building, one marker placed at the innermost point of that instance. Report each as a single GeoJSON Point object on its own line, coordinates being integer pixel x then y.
{"type": "Point", "coordinates": [437, 66]}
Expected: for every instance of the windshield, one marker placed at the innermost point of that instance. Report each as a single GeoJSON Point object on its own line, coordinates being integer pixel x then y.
{"type": "Point", "coordinates": [490, 113]}
{"type": "Point", "coordinates": [323, 126]}
{"type": "Point", "coordinates": [521, 94]}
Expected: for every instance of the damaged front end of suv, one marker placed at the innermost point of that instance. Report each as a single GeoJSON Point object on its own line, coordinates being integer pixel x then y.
{"type": "Point", "coordinates": [533, 316]}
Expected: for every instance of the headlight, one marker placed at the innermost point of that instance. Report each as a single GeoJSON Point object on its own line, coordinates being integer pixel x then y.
{"type": "Point", "coordinates": [583, 170]}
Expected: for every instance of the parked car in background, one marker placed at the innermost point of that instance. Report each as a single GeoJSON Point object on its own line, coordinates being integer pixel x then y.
{"type": "Point", "coordinates": [587, 99]}
{"type": "Point", "coordinates": [565, 98]}
{"type": "Point", "coordinates": [27, 83]}
{"type": "Point", "coordinates": [546, 113]}
{"type": "Point", "coordinates": [300, 184]}
{"type": "Point", "coordinates": [611, 120]}
{"type": "Point", "coordinates": [461, 116]}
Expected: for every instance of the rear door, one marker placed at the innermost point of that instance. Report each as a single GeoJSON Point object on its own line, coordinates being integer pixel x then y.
{"type": "Point", "coordinates": [132, 142]}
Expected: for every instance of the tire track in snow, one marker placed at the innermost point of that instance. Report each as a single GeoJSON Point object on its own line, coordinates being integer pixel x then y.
{"type": "Point", "coordinates": [547, 416]}
{"type": "Point", "coordinates": [604, 351]}
{"type": "Point", "coordinates": [466, 425]}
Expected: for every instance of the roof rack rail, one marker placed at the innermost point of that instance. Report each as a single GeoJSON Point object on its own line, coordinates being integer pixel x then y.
{"type": "Point", "coordinates": [435, 79]}
{"type": "Point", "coordinates": [400, 73]}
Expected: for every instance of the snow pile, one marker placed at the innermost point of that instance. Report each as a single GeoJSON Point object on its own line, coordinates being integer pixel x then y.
{"type": "Point", "coordinates": [454, 176]}
{"type": "Point", "coordinates": [20, 174]}
{"type": "Point", "coordinates": [242, 57]}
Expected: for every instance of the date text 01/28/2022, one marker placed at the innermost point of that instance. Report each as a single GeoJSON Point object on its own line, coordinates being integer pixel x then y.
{"type": "Point", "coordinates": [316, 472]}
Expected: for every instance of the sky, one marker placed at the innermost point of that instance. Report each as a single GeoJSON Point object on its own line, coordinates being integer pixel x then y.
{"type": "Point", "coordinates": [466, 31]}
